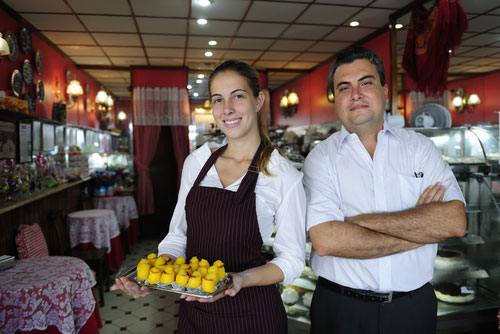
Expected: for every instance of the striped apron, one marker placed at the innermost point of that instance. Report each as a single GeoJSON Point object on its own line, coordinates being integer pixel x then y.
{"type": "Point", "coordinates": [222, 225]}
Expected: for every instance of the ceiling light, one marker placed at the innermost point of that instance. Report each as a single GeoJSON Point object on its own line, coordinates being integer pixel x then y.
{"type": "Point", "coordinates": [189, 86]}
{"type": "Point", "coordinates": [199, 81]}
{"type": "Point", "coordinates": [201, 76]}
{"type": "Point", "coordinates": [212, 42]}
{"type": "Point", "coordinates": [398, 26]}
{"type": "Point", "coordinates": [354, 23]}
{"type": "Point", "coordinates": [122, 115]}
{"type": "Point", "coordinates": [204, 3]}
{"type": "Point", "coordinates": [209, 54]}
{"type": "Point", "coordinates": [202, 21]}
{"type": "Point", "coordinates": [195, 94]}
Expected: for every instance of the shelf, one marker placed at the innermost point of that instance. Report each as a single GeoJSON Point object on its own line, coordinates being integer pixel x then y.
{"type": "Point", "coordinates": [467, 240]}
{"type": "Point", "coordinates": [459, 275]}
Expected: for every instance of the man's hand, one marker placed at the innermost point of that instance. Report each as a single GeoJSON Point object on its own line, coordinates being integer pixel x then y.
{"type": "Point", "coordinates": [434, 193]}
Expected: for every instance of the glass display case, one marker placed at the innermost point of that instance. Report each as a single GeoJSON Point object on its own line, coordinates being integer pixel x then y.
{"type": "Point", "coordinates": [473, 154]}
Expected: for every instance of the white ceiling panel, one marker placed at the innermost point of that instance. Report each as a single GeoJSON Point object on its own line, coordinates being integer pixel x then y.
{"type": "Point", "coordinates": [266, 11]}
{"type": "Point", "coordinates": [166, 61]}
{"type": "Point", "coordinates": [263, 64]}
{"type": "Point", "coordinates": [200, 53]}
{"type": "Point", "coordinates": [117, 7]}
{"type": "Point", "coordinates": [213, 28]}
{"type": "Point", "coordinates": [69, 38]}
{"type": "Point", "coordinates": [77, 50]}
{"type": "Point", "coordinates": [478, 7]}
{"type": "Point", "coordinates": [243, 55]}
{"type": "Point", "coordinates": [481, 61]}
{"type": "Point", "coordinates": [373, 17]}
{"type": "Point", "coordinates": [329, 46]}
{"type": "Point", "coordinates": [482, 69]}
{"type": "Point", "coordinates": [46, 6]}
{"type": "Point", "coordinates": [323, 14]}
{"type": "Point", "coordinates": [482, 40]}
{"type": "Point", "coordinates": [165, 52]}
{"type": "Point", "coordinates": [261, 29]}
{"type": "Point", "coordinates": [220, 9]}
{"type": "Point", "coordinates": [455, 60]}
{"type": "Point", "coordinates": [117, 39]}
{"type": "Point", "coordinates": [129, 61]}
{"type": "Point", "coordinates": [251, 43]}
{"type": "Point", "coordinates": [309, 56]}
{"type": "Point", "coordinates": [123, 51]}
{"type": "Point", "coordinates": [290, 45]}
{"type": "Point", "coordinates": [484, 23]}
{"type": "Point", "coordinates": [349, 34]}
{"type": "Point", "coordinates": [162, 26]}
{"type": "Point", "coordinates": [302, 31]}
{"type": "Point", "coordinates": [481, 52]}
{"type": "Point", "coordinates": [54, 22]}
{"type": "Point", "coordinates": [202, 42]}
{"type": "Point", "coordinates": [170, 8]}
{"type": "Point", "coordinates": [164, 40]}
{"type": "Point", "coordinates": [301, 65]}
{"type": "Point", "coordinates": [105, 74]}
{"type": "Point", "coordinates": [108, 23]}
{"type": "Point", "coordinates": [274, 55]}
{"type": "Point", "coordinates": [91, 60]}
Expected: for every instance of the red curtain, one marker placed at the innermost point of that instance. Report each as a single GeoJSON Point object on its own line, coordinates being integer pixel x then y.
{"type": "Point", "coordinates": [146, 141]}
{"type": "Point", "coordinates": [180, 141]}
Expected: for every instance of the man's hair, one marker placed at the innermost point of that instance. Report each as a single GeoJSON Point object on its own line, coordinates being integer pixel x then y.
{"type": "Point", "coordinates": [350, 56]}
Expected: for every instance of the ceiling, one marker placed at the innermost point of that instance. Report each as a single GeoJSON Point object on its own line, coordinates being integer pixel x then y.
{"type": "Point", "coordinates": [285, 38]}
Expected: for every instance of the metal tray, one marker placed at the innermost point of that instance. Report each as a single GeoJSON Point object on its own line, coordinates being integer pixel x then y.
{"type": "Point", "coordinates": [131, 274]}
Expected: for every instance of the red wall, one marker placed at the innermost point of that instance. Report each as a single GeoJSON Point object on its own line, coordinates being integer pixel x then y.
{"type": "Point", "coordinates": [54, 66]}
{"type": "Point", "coordinates": [313, 106]}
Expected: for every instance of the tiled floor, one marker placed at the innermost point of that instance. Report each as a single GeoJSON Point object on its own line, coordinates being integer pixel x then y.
{"type": "Point", "coordinates": [153, 314]}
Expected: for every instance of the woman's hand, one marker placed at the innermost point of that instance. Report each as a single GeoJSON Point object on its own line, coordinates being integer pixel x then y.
{"type": "Point", "coordinates": [237, 283]}
{"type": "Point", "coordinates": [130, 288]}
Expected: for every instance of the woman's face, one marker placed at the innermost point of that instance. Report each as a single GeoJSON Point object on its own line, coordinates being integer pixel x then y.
{"type": "Point", "coordinates": [233, 105]}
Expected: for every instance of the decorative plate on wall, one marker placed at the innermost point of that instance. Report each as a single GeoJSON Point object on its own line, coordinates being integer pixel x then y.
{"type": "Point", "coordinates": [28, 73]}
{"type": "Point", "coordinates": [39, 61]}
{"type": "Point", "coordinates": [68, 76]}
{"type": "Point", "coordinates": [16, 83]}
{"type": "Point", "coordinates": [88, 105]}
{"type": "Point", "coordinates": [31, 101]}
{"type": "Point", "coordinates": [25, 38]}
{"type": "Point", "coordinates": [87, 89]}
{"type": "Point", "coordinates": [12, 41]}
{"type": "Point", "coordinates": [40, 91]}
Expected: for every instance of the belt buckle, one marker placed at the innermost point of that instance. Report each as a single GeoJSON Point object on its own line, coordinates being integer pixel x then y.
{"type": "Point", "coordinates": [389, 298]}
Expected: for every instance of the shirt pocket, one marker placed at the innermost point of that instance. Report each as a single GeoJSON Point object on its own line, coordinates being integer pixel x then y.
{"type": "Point", "coordinates": [410, 190]}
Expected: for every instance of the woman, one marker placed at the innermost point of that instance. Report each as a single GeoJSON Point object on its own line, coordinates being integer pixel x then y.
{"type": "Point", "coordinates": [231, 199]}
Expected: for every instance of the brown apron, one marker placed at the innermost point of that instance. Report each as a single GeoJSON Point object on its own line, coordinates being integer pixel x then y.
{"type": "Point", "coordinates": [222, 225]}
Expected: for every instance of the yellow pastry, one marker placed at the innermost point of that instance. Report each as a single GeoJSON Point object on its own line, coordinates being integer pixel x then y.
{"type": "Point", "coordinates": [220, 266]}
{"type": "Point", "coordinates": [194, 280]}
{"type": "Point", "coordinates": [143, 261]}
{"type": "Point", "coordinates": [154, 275]}
{"type": "Point", "coordinates": [168, 276]}
{"type": "Point", "coordinates": [194, 262]}
{"type": "Point", "coordinates": [208, 283]}
{"type": "Point", "coordinates": [143, 271]}
{"type": "Point", "coordinates": [167, 259]}
{"type": "Point", "coordinates": [181, 278]}
{"type": "Point", "coordinates": [203, 271]}
{"type": "Point", "coordinates": [159, 261]}
{"type": "Point", "coordinates": [204, 263]}
{"type": "Point", "coordinates": [187, 268]}
{"type": "Point", "coordinates": [152, 258]}
{"type": "Point", "coordinates": [213, 270]}
{"type": "Point", "coordinates": [180, 260]}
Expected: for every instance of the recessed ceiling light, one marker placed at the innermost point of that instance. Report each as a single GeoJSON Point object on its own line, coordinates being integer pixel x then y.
{"type": "Point", "coordinates": [354, 23]}
{"type": "Point", "coordinates": [201, 76]}
{"type": "Point", "coordinates": [204, 3]}
{"type": "Point", "coordinates": [199, 81]}
{"type": "Point", "coordinates": [202, 21]}
{"type": "Point", "coordinates": [189, 86]}
{"type": "Point", "coordinates": [398, 26]}
{"type": "Point", "coordinates": [195, 94]}
{"type": "Point", "coordinates": [212, 42]}
{"type": "Point", "coordinates": [209, 54]}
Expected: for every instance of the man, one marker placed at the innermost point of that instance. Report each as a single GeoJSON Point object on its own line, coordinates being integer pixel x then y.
{"type": "Point", "coordinates": [379, 201]}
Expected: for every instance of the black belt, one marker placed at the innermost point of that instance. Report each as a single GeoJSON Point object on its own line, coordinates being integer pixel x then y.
{"type": "Point", "coordinates": [366, 295]}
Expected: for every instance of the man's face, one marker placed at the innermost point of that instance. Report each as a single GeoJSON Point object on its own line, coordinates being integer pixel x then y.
{"type": "Point", "coordinates": [359, 97]}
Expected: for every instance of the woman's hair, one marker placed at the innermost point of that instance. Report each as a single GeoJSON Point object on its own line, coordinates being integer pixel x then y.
{"type": "Point", "coordinates": [251, 76]}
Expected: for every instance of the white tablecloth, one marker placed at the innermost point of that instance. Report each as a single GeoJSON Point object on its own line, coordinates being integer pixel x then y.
{"type": "Point", "coordinates": [124, 207]}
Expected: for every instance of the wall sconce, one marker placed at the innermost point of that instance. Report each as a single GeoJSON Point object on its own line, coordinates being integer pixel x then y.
{"type": "Point", "coordinates": [463, 101]}
{"type": "Point", "coordinates": [74, 90]}
{"type": "Point", "coordinates": [329, 95]}
{"type": "Point", "coordinates": [102, 99]}
{"type": "Point", "coordinates": [4, 47]}
{"type": "Point", "coordinates": [288, 103]}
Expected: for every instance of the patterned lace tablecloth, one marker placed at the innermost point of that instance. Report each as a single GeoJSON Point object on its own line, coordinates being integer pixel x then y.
{"type": "Point", "coordinates": [124, 207]}
{"type": "Point", "coordinates": [46, 291]}
{"type": "Point", "coordinates": [96, 226]}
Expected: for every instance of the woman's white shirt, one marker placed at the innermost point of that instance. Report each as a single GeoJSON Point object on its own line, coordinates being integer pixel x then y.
{"type": "Point", "coordinates": [280, 202]}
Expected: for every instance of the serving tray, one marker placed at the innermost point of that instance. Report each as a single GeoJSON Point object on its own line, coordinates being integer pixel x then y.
{"type": "Point", "coordinates": [131, 274]}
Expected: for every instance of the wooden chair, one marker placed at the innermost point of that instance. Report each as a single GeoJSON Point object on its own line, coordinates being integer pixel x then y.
{"type": "Point", "coordinates": [96, 258]}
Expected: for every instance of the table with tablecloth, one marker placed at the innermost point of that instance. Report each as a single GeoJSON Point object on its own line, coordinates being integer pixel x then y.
{"type": "Point", "coordinates": [51, 294]}
{"type": "Point", "coordinates": [126, 213]}
{"type": "Point", "coordinates": [97, 228]}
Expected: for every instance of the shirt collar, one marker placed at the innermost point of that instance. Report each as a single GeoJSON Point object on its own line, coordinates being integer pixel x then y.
{"type": "Point", "coordinates": [386, 129]}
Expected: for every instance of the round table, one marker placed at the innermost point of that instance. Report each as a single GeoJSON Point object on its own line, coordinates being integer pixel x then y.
{"type": "Point", "coordinates": [45, 293]}
{"type": "Point", "coordinates": [98, 228]}
{"type": "Point", "coordinates": [126, 213]}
